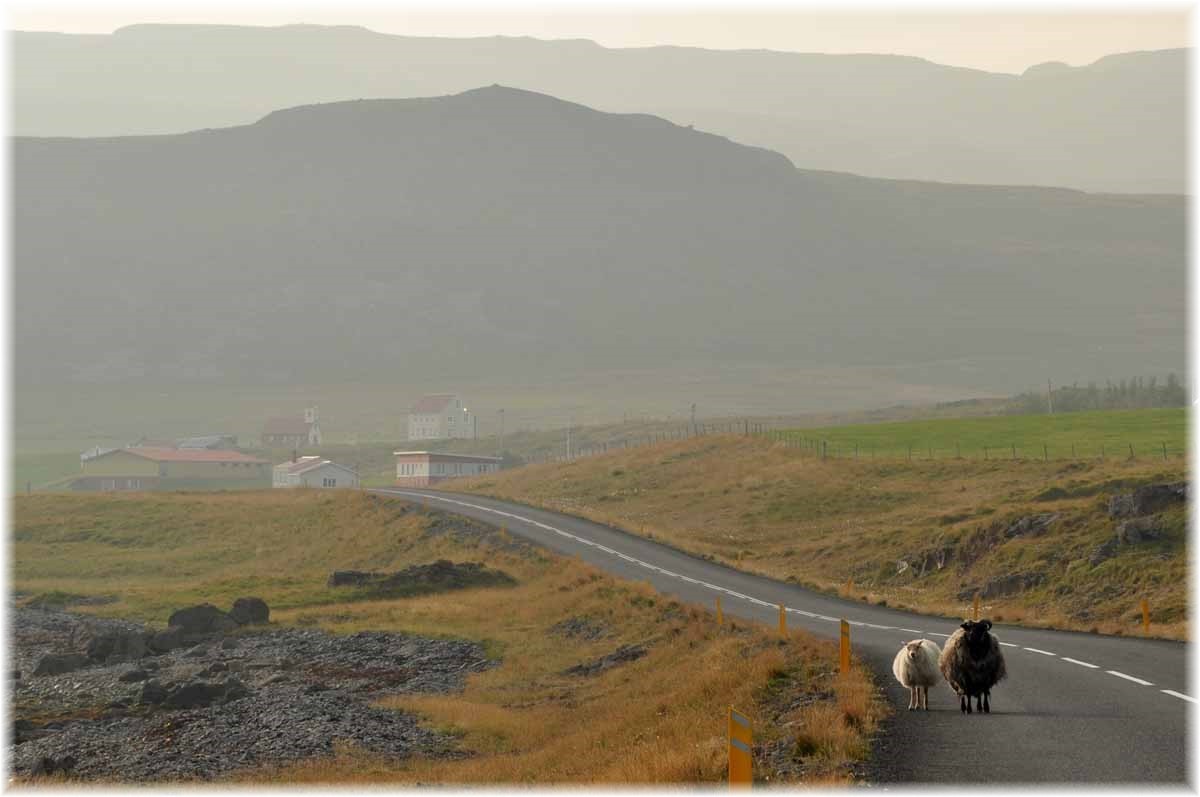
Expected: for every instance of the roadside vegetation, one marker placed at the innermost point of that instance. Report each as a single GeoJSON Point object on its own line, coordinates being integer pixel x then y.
{"type": "Point", "coordinates": [1034, 538]}
{"type": "Point", "coordinates": [655, 718]}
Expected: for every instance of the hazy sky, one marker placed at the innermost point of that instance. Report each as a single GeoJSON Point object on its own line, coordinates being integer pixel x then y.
{"type": "Point", "coordinates": [1002, 42]}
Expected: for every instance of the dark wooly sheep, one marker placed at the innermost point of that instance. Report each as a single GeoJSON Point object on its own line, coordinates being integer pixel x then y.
{"type": "Point", "coordinates": [972, 663]}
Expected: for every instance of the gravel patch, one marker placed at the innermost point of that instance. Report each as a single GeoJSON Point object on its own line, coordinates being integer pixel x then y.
{"type": "Point", "coordinates": [274, 696]}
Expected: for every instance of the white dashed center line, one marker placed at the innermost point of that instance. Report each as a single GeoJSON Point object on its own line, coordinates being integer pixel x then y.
{"type": "Point", "coordinates": [1178, 695]}
{"type": "Point", "coordinates": [1129, 678]}
{"type": "Point", "coordinates": [757, 601]}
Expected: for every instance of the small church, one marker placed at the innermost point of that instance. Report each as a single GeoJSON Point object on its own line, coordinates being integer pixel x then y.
{"type": "Point", "coordinates": [293, 432]}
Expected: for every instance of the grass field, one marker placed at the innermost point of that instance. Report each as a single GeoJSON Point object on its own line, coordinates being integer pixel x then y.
{"type": "Point", "coordinates": [1067, 435]}
{"type": "Point", "coordinates": [924, 534]}
{"type": "Point", "coordinates": [524, 721]}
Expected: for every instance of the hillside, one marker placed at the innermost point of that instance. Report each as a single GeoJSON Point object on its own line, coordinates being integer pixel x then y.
{"type": "Point", "coordinates": [1114, 125]}
{"type": "Point", "coordinates": [332, 243]}
{"type": "Point", "coordinates": [515, 720]}
{"type": "Point", "coordinates": [1035, 539]}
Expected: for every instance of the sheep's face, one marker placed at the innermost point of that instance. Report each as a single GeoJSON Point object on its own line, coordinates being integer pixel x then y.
{"type": "Point", "coordinates": [914, 650]}
{"type": "Point", "coordinates": [978, 639]}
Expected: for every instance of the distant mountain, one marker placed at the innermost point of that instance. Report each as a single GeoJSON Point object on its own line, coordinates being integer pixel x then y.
{"type": "Point", "coordinates": [504, 232]}
{"type": "Point", "coordinates": [1118, 124]}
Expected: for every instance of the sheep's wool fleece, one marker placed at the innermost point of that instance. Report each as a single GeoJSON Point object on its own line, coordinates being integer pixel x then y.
{"type": "Point", "coordinates": [967, 675]}
{"type": "Point", "coordinates": [923, 671]}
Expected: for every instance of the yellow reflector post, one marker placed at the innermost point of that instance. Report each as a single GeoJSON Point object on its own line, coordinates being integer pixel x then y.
{"type": "Point", "coordinates": [720, 614]}
{"type": "Point", "coordinates": [845, 648]}
{"type": "Point", "coordinates": [782, 620]}
{"type": "Point", "coordinates": [741, 741]}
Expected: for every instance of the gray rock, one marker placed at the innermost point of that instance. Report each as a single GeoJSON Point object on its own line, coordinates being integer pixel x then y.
{"type": "Point", "coordinates": [250, 611]}
{"type": "Point", "coordinates": [1103, 553]}
{"type": "Point", "coordinates": [59, 663]}
{"type": "Point", "coordinates": [133, 676]}
{"type": "Point", "coordinates": [621, 655]}
{"type": "Point", "coordinates": [1139, 530]}
{"type": "Point", "coordinates": [47, 765]}
{"type": "Point", "coordinates": [198, 652]}
{"type": "Point", "coordinates": [1148, 499]}
{"type": "Point", "coordinates": [202, 619]}
{"type": "Point", "coordinates": [229, 643]}
{"type": "Point", "coordinates": [153, 693]}
{"type": "Point", "coordinates": [117, 646]}
{"type": "Point", "coordinates": [1031, 525]}
{"type": "Point", "coordinates": [168, 640]}
{"type": "Point", "coordinates": [194, 695]}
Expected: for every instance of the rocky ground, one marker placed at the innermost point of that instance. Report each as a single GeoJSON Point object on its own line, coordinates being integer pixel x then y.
{"type": "Point", "coordinates": [253, 696]}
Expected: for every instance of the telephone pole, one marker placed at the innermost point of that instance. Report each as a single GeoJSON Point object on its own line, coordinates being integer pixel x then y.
{"type": "Point", "coordinates": [500, 452]}
{"type": "Point", "coordinates": [1050, 396]}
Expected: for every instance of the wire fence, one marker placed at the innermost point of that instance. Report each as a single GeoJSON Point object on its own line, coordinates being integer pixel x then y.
{"type": "Point", "coordinates": [823, 448]}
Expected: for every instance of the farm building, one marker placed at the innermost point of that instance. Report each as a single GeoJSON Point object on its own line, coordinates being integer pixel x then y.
{"type": "Point", "coordinates": [293, 432]}
{"type": "Point", "coordinates": [313, 472]}
{"type": "Point", "coordinates": [440, 416]}
{"type": "Point", "coordinates": [423, 468]}
{"type": "Point", "coordinates": [155, 468]}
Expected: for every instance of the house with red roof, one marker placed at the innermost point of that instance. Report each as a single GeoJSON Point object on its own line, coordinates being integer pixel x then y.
{"type": "Point", "coordinates": [293, 432]}
{"type": "Point", "coordinates": [440, 416]}
{"type": "Point", "coordinates": [162, 468]}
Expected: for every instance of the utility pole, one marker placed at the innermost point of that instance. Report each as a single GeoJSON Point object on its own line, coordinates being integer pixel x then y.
{"type": "Point", "coordinates": [1050, 396]}
{"type": "Point", "coordinates": [500, 452]}
{"type": "Point", "coordinates": [570, 423]}
{"type": "Point", "coordinates": [693, 416]}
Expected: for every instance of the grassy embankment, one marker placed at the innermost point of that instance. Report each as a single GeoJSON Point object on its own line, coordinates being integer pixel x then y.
{"type": "Point", "coordinates": [653, 720]}
{"type": "Point", "coordinates": [879, 526]}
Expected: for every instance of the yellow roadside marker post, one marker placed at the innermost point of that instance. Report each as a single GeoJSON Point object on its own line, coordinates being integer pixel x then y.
{"type": "Point", "coordinates": [845, 649]}
{"type": "Point", "coordinates": [741, 760]}
{"type": "Point", "coordinates": [720, 614]}
{"type": "Point", "coordinates": [782, 621]}
{"type": "Point", "coordinates": [976, 606]}
{"type": "Point", "coordinates": [1145, 616]}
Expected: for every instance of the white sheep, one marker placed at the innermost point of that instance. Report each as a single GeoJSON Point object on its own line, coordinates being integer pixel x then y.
{"type": "Point", "coordinates": [916, 667]}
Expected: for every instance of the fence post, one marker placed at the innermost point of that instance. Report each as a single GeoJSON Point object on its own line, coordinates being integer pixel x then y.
{"type": "Point", "coordinates": [720, 614]}
{"type": "Point", "coordinates": [782, 621]}
{"type": "Point", "coordinates": [1145, 616]}
{"type": "Point", "coordinates": [976, 608]}
{"type": "Point", "coordinates": [1014, 448]}
{"type": "Point", "coordinates": [1045, 453]}
{"type": "Point", "coordinates": [1131, 456]}
{"type": "Point", "coordinates": [1164, 445]}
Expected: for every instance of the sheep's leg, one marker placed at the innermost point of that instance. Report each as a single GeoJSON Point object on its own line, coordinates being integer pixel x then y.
{"type": "Point", "coordinates": [925, 698]}
{"type": "Point", "coordinates": [979, 702]}
{"type": "Point", "coordinates": [987, 704]}
{"type": "Point", "coordinates": [912, 697]}
{"type": "Point", "coordinates": [964, 703]}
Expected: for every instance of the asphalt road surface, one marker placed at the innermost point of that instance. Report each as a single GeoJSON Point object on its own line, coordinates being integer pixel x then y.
{"type": "Point", "coordinates": [1075, 708]}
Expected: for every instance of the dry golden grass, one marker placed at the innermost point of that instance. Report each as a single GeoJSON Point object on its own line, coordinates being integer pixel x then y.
{"type": "Point", "coordinates": [657, 720]}
{"type": "Point", "coordinates": [782, 512]}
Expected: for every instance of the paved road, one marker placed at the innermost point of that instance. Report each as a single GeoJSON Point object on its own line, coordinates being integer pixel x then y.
{"type": "Point", "coordinates": [1075, 708]}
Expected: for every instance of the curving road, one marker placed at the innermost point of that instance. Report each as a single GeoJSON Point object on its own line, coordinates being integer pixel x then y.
{"type": "Point", "coordinates": [1076, 708]}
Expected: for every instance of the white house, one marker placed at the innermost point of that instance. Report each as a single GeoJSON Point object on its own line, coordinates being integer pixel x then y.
{"type": "Point", "coordinates": [313, 472]}
{"type": "Point", "coordinates": [440, 416]}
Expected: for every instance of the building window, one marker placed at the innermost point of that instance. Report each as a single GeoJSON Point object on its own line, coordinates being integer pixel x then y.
{"type": "Point", "coordinates": [329, 482]}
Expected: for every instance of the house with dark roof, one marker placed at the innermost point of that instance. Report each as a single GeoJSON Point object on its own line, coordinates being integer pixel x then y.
{"type": "Point", "coordinates": [296, 432]}
{"type": "Point", "coordinates": [440, 416]}
{"type": "Point", "coordinates": [160, 468]}
{"type": "Point", "coordinates": [313, 472]}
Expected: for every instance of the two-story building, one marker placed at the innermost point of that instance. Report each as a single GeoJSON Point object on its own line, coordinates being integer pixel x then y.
{"type": "Point", "coordinates": [293, 432]}
{"type": "Point", "coordinates": [440, 416]}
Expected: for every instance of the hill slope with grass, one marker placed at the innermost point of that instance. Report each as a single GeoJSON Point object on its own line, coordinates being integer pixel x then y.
{"type": "Point", "coordinates": [560, 240]}
{"type": "Point", "coordinates": [551, 633]}
{"type": "Point", "coordinates": [1036, 539]}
